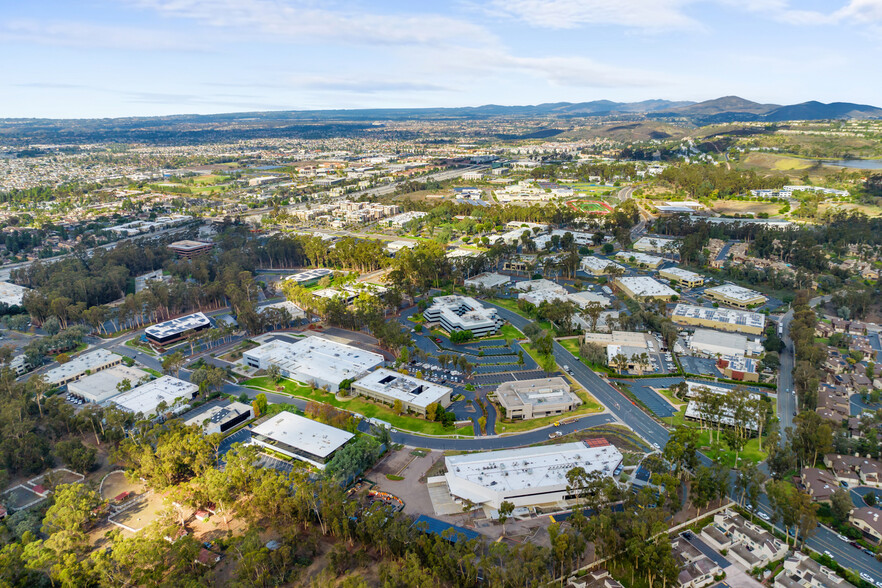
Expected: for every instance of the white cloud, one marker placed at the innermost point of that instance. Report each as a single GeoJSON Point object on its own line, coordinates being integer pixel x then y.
{"type": "Point", "coordinates": [304, 20]}
{"type": "Point", "coordinates": [364, 85]}
{"type": "Point", "coordinates": [567, 14]}
{"type": "Point", "coordinates": [89, 35]}
{"type": "Point", "coordinates": [863, 11]}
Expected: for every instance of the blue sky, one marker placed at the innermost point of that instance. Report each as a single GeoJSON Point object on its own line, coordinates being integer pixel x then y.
{"type": "Point", "coordinates": [105, 58]}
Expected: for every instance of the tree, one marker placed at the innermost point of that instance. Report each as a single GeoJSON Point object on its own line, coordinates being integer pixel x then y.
{"type": "Point", "coordinates": [505, 511]}
{"type": "Point", "coordinates": [173, 363]}
{"type": "Point", "coordinates": [841, 505]}
{"type": "Point", "coordinates": [77, 456]}
{"type": "Point", "coordinates": [260, 402]}
{"type": "Point", "coordinates": [749, 481]}
{"type": "Point", "coordinates": [397, 406]}
{"type": "Point", "coordinates": [274, 373]}
{"type": "Point", "coordinates": [681, 450]}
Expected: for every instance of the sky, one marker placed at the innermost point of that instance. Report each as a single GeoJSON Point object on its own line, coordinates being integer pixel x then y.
{"type": "Point", "coordinates": [111, 58]}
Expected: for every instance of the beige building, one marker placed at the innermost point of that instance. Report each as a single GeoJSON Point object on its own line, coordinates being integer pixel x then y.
{"type": "Point", "coordinates": [801, 571]}
{"type": "Point", "coordinates": [750, 545]}
{"type": "Point", "coordinates": [644, 288]}
{"type": "Point", "coordinates": [682, 277]}
{"type": "Point", "coordinates": [415, 394]}
{"type": "Point", "coordinates": [722, 319]}
{"type": "Point", "coordinates": [868, 522]}
{"type": "Point", "coordinates": [735, 296]}
{"type": "Point", "coordinates": [532, 399]}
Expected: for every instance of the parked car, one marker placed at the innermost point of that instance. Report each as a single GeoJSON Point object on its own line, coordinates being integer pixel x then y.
{"type": "Point", "coordinates": [763, 516]}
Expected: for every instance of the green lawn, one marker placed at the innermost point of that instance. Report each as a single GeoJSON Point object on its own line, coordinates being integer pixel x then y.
{"type": "Point", "coordinates": [723, 453]}
{"type": "Point", "coordinates": [361, 406]}
{"type": "Point", "coordinates": [508, 331]}
{"type": "Point", "coordinates": [667, 394]}
{"type": "Point", "coordinates": [135, 344]}
{"type": "Point", "coordinates": [571, 345]}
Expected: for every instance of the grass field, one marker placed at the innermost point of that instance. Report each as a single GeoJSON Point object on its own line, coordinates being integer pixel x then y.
{"type": "Point", "coordinates": [512, 305]}
{"type": "Point", "coordinates": [722, 453]}
{"type": "Point", "coordinates": [590, 206]}
{"type": "Point", "coordinates": [359, 405]}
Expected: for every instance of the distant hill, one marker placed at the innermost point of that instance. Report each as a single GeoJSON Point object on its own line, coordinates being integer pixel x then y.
{"type": "Point", "coordinates": [726, 104]}
{"type": "Point", "coordinates": [734, 108]}
{"type": "Point", "coordinates": [818, 111]}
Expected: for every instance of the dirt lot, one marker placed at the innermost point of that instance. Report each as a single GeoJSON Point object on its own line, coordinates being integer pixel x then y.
{"type": "Point", "coordinates": [743, 207]}
{"type": "Point", "coordinates": [139, 516]}
{"type": "Point", "coordinates": [116, 483]}
{"type": "Point", "coordinates": [410, 490]}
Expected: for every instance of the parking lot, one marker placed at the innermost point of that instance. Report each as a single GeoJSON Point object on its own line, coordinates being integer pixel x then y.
{"type": "Point", "coordinates": [699, 365]}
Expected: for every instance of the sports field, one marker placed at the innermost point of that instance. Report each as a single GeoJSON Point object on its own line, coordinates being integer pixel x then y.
{"type": "Point", "coordinates": [590, 206]}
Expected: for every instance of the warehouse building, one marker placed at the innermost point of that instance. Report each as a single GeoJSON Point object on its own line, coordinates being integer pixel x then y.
{"type": "Point", "coordinates": [644, 288]}
{"type": "Point", "coordinates": [177, 329]}
{"type": "Point", "coordinates": [218, 417]}
{"type": "Point", "coordinates": [683, 277]}
{"type": "Point", "coordinates": [300, 438]}
{"type": "Point", "coordinates": [102, 386]}
{"type": "Point", "coordinates": [313, 360]}
{"type": "Point", "coordinates": [640, 259]}
{"type": "Point", "coordinates": [532, 399]}
{"type": "Point", "coordinates": [189, 249]}
{"type": "Point", "coordinates": [714, 343]}
{"type": "Point", "coordinates": [147, 398]}
{"type": "Point", "coordinates": [723, 319]}
{"type": "Point", "coordinates": [83, 365]}
{"type": "Point", "coordinates": [463, 313]}
{"type": "Point", "coordinates": [735, 296]}
{"type": "Point", "coordinates": [530, 476]}
{"type": "Point", "coordinates": [415, 394]}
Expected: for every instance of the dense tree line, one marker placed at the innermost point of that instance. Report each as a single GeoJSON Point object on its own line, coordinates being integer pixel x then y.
{"type": "Point", "coordinates": [715, 181]}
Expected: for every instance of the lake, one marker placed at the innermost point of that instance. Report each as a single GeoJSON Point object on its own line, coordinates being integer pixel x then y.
{"type": "Point", "coordinates": [855, 163]}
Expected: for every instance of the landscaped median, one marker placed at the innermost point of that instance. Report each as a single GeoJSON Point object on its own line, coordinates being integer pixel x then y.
{"type": "Point", "coordinates": [358, 405]}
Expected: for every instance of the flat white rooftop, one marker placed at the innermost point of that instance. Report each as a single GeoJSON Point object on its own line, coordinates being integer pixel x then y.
{"type": "Point", "coordinates": [302, 433]}
{"type": "Point", "coordinates": [681, 273]}
{"type": "Point", "coordinates": [639, 258]}
{"type": "Point", "coordinates": [178, 325]}
{"type": "Point", "coordinates": [598, 265]}
{"type": "Point", "coordinates": [536, 285]}
{"type": "Point", "coordinates": [147, 397]}
{"type": "Point", "coordinates": [294, 310]}
{"type": "Point", "coordinates": [12, 294]}
{"type": "Point", "coordinates": [403, 387]}
{"type": "Point", "coordinates": [318, 359]}
{"type": "Point", "coordinates": [736, 293]}
{"type": "Point", "coordinates": [310, 275]}
{"type": "Point", "coordinates": [654, 244]}
{"type": "Point", "coordinates": [93, 361]}
{"type": "Point", "coordinates": [488, 280]}
{"type": "Point", "coordinates": [720, 315]}
{"type": "Point", "coordinates": [101, 386]}
{"type": "Point", "coordinates": [532, 468]}
{"type": "Point", "coordinates": [643, 286]}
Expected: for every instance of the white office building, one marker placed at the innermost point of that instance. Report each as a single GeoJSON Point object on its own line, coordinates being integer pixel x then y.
{"type": "Point", "coordinates": [218, 417]}
{"type": "Point", "coordinates": [656, 245]}
{"type": "Point", "coordinates": [599, 267]}
{"type": "Point", "coordinates": [487, 281]}
{"type": "Point", "coordinates": [177, 328]}
{"type": "Point", "coordinates": [526, 477]}
{"type": "Point", "coordinates": [310, 276]}
{"type": "Point", "coordinates": [736, 296]}
{"type": "Point", "coordinates": [681, 276]}
{"type": "Point", "coordinates": [102, 386]}
{"type": "Point", "coordinates": [82, 365]}
{"type": "Point", "coordinates": [300, 438]}
{"type": "Point", "coordinates": [714, 343]}
{"type": "Point", "coordinates": [146, 398]}
{"type": "Point", "coordinates": [644, 288]}
{"type": "Point", "coordinates": [640, 259]}
{"type": "Point", "coordinates": [463, 313]}
{"type": "Point", "coordinates": [314, 360]}
{"type": "Point", "coordinates": [415, 394]}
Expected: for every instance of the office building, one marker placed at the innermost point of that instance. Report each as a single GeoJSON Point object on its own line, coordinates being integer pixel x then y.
{"type": "Point", "coordinates": [600, 267]}
{"type": "Point", "coordinates": [640, 259]}
{"type": "Point", "coordinates": [175, 330]}
{"type": "Point", "coordinates": [300, 438]}
{"type": "Point", "coordinates": [104, 385]}
{"type": "Point", "coordinates": [82, 365]}
{"type": "Point", "coordinates": [147, 398]}
{"type": "Point", "coordinates": [722, 319]}
{"type": "Point", "coordinates": [463, 313]}
{"type": "Point", "coordinates": [644, 288]}
{"type": "Point", "coordinates": [315, 361]}
{"type": "Point", "coordinates": [487, 281]}
{"type": "Point", "coordinates": [218, 417]}
{"type": "Point", "coordinates": [414, 394]}
{"type": "Point", "coordinates": [310, 276]}
{"type": "Point", "coordinates": [532, 399]}
{"type": "Point", "coordinates": [530, 476]}
{"type": "Point", "coordinates": [682, 277]}
{"type": "Point", "coordinates": [735, 296]}
{"type": "Point", "coordinates": [189, 249]}
{"type": "Point", "coordinates": [715, 343]}
{"type": "Point", "coordinates": [656, 245]}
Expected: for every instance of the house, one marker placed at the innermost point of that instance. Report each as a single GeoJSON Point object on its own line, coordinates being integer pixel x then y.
{"type": "Point", "coordinates": [868, 521]}
{"type": "Point", "coordinates": [801, 571]}
{"type": "Point", "coordinates": [820, 484]}
{"type": "Point", "coordinates": [696, 569]}
{"type": "Point", "coordinates": [748, 544]}
{"type": "Point", "coordinates": [854, 470]}
{"type": "Point", "coordinates": [594, 579]}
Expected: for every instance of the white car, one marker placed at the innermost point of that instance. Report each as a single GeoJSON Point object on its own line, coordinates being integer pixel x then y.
{"type": "Point", "coordinates": [830, 555]}
{"type": "Point", "coordinates": [864, 576]}
{"type": "Point", "coordinates": [843, 538]}
{"type": "Point", "coordinates": [763, 516]}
